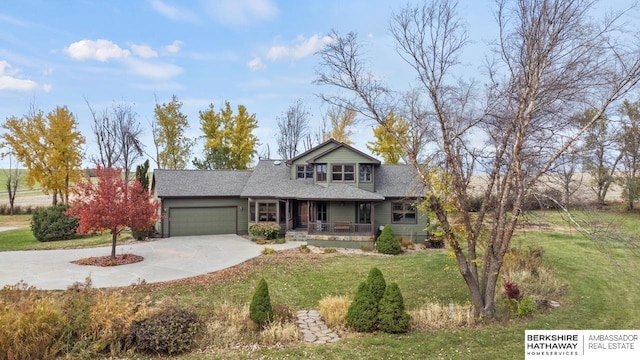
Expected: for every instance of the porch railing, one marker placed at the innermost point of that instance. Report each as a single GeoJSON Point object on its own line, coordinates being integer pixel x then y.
{"type": "Point", "coordinates": [340, 228]}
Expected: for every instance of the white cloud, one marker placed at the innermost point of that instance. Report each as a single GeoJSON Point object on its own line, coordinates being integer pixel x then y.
{"type": "Point", "coordinates": [173, 12]}
{"type": "Point", "coordinates": [10, 82]}
{"type": "Point", "coordinates": [174, 47]}
{"type": "Point", "coordinates": [240, 13]}
{"type": "Point", "coordinates": [101, 50]}
{"type": "Point", "coordinates": [47, 88]}
{"type": "Point", "coordinates": [301, 49]}
{"type": "Point", "coordinates": [154, 70]}
{"type": "Point", "coordinates": [256, 64]}
{"type": "Point", "coordinates": [144, 51]}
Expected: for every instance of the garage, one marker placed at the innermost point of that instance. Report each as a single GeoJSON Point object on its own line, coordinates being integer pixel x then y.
{"type": "Point", "coordinates": [202, 221]}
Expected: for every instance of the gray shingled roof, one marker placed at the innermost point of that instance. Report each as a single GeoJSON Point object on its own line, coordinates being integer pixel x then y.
{"type": "Point", "coordinates": [194, 183]}
{"type": "Point", "coordinates": [398, 181]}
{"type": "Point", "coordinates": [272, 180]}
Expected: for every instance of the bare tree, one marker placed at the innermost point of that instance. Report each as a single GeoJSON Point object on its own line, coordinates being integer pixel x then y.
{"type": "Point", "coordinates": [629, 144]}
{"type": "Point", "coordinates": [550, 60]}
{"type": "Point", "coordinates": [565, 177]}
{"type": "Point", "coordinates": [293, 126]}
{"type": "Point", "coordinates": [117, 135]}
{"type": "Point", "coordinates": [13, 180]}
{"type": "Point", "coordinates": [600, 156]}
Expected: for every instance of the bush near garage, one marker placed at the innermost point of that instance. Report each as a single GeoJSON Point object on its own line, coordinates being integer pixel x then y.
{"type": "Point", "coordinates": [266, 230]}
{"type": "Point", "coordinates": [52, 223]}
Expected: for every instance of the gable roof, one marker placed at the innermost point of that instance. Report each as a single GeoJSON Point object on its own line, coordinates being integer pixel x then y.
{"type": "Point", "coordinates": [331, 145]}
{"type": "Point", "coordinates": [270, 179]}
{"type": "Point", "coordinates": [199, 183]}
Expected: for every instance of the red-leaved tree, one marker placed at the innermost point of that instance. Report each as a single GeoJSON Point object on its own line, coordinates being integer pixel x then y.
{"type": "Point", "coordinates": [112, 204]}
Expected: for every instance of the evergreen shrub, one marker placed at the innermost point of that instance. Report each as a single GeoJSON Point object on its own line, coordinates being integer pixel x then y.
{"type": "Point", "coordinates": [52, 223]}
{"type": "Point", "coordinates": [392, 316]}
{"type": "Point", "coordinates": [387, 242]}
{"type": "Point", "coordinates": [260, 309]}
{"type": "Point", "coordinates": [362, 315]}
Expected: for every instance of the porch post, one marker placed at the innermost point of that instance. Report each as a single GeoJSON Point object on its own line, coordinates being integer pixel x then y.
{"type": "Point", "coordinates": [287, 215]}
{"type": "Point", "coordinates": [373, 230]}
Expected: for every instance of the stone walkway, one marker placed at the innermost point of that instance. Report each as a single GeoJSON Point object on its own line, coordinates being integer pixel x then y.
{"type": "Point", "coordinates": [314, 329]}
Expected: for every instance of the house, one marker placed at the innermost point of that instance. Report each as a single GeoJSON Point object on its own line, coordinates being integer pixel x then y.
{"type": "Point", "coordinates": [331, 195]}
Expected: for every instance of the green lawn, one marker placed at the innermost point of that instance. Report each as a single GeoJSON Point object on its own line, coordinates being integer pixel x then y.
{"type": "Point", "coordinates": [602, 277]}
{"type": "Point", "coordinates": [602, 291]}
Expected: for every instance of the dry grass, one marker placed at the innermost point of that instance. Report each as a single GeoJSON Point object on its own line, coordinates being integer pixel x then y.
{"type": "Point", "coordinates": [433, 316]}
{"type": "Point", "coordinates": [333, 310]}
{"type": "Point", "coordinates": [229, 327]}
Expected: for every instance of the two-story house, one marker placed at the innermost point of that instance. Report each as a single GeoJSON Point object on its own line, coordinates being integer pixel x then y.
{"type": "Point", "coordinates": [331, 195]}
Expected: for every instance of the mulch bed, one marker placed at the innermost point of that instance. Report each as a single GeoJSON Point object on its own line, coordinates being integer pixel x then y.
{"type": "Point", "coordinates": [104, 261]}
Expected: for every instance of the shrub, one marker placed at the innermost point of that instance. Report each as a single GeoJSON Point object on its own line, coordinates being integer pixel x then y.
{"type": "Point", "coordinates": [171, 331]}
{"type": "Point", "coordinates": [362, 315]}
{"type": "Point", "coordinates": [260, 310]}
{"type": "Point", "coordinates": [333, 310]}
{"type": "Point", "coordinates": [376, 282]}
{"type": "Point", "coordinates": [330, 250]}
{"type": "Point", "coordinates": [267, 230]}
{"type": "Point", "coordinates": [391, 314]}
{"type": "Point", "coordinates": [387, 242]}
{"type": "Point", "coordinates": [143, 234]}
{"type": "Point", "coordinates": [53, 224]}
{"type": "Point", "coordinates": [304, 249]}
{"type": "Point", "coordinates": [267, 251]}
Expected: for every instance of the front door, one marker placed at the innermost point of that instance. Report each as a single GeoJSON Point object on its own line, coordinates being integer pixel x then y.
{"type": "Point", "coordinates": [302, 219]}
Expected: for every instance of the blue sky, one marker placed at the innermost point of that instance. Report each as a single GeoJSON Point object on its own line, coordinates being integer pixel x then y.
{"type": "Point", "coordinates": [258, 53]}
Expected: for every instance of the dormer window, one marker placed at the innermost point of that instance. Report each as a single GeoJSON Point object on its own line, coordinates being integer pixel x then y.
{"type": "Point", "coordinates": [304, 172]}
{"type": "Point", "coordinates": [321, 172]}
{"type": "Point", "coordinates": [366, 172]}
{"type": "Point", "coordinates": [343, 173]}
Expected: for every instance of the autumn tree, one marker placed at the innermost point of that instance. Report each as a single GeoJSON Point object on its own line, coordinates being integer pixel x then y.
{"type": "Point", "coordinates": [629, 145]}
{"type": "Point", "coordinates": [117, 134]}
{"type": "Point", "coordinates": [229, 139]}
{"type": "Point", "coordinates": [550, 60]}
{"type": "Point", "coordinates": [293, 127]}
{"type": "Point", "coordinates": [385, 144]}
{"type": "Point", "coordinates": [600, 153]}
{"type": "Point", "coordinates": [112, 204]}
{"type": "Point", "coordinates": [341, 121]}
{"type": "Point", "coordinates": [50, 146]}
{"type": "Point", "coordinates": [169, 126]}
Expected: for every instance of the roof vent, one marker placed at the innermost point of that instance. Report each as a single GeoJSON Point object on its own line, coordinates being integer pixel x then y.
{"type": "Point", "coordinates": [277, 162]}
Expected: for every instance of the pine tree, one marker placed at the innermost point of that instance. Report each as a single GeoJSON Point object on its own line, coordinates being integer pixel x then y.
{"type": "Point", "coordinates": [376, 282]}
{"type": "Point", "coordinates": [387, 242]}
{"type": "Point", "coordinates": [362, 315]}
{"type": "Point", "coordinates": [260, 310]}
{"type": "Point", "coordinates": [392, 316]}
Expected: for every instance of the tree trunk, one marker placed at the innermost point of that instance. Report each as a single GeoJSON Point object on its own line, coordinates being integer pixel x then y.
{"type": "Point", "coordinates": [114, 240]}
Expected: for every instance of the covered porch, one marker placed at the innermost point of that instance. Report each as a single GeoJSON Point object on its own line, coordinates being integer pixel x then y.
{"type": "Point", "coordinates": [339, 218]}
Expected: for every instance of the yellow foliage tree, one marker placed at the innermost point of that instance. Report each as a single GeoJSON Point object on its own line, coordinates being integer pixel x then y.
{"type": "Point", "coordinates": [342, 120]}
{"type": "Point", "coordinates": [229, 139]}
{"type": "Point", "coordinates": [49, 146]}
{"type": "Point", "coordinates": [386, 144]}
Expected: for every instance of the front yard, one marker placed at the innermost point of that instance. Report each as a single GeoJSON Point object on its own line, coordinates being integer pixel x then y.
{"type": "Point", "coordinates": [601, 289]}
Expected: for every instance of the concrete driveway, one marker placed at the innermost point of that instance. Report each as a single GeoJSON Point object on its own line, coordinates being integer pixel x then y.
{"type": "Point", "coordinates": [164, 260]}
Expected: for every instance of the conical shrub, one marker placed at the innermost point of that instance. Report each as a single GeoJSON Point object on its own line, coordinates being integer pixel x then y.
{"type": "Point", "coordinates": [375, 280]}
{"type": "Point", "coordinates": [387, 242]}
{"type": "Point", "coordinates": [391, 315]}
{"type": "Point", "coordinates": [362, 315]}
{"type": "Point", "coordinates": [260, 310]}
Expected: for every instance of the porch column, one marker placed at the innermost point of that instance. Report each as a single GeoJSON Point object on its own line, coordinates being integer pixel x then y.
{"type": "Point", "coordinates": [287, 215]}
{"type": "Point", "coordinates": [373, 223]}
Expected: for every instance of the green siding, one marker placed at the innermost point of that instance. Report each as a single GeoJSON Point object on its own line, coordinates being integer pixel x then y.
{"type": "Point", "coordinates": [382, 217]}
{"type": "Point", "coordinates": [339, 212]}
{"type": "Point", "coordinates": [240, 204]}
{"type": "Point", "coordinates": [343, 156]}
